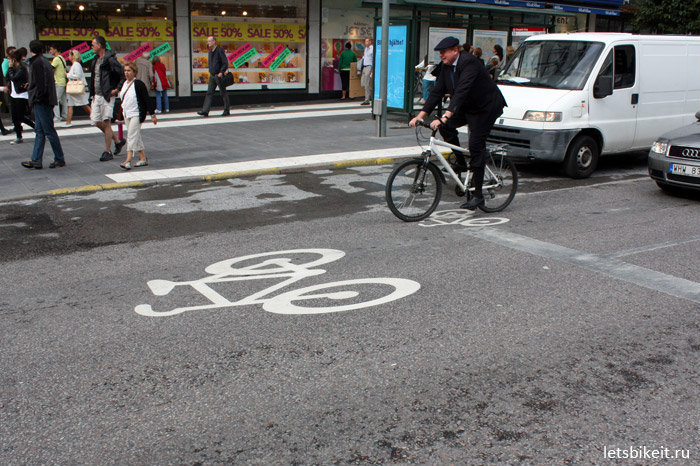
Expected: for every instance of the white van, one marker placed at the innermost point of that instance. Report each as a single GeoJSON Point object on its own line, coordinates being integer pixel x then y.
{"type": "Point", "coordinates": [572, 97]}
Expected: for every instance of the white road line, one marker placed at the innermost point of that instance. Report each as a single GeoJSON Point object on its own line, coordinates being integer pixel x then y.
{"type": "Point", "coordinates": [652, 247]}
{"type": "Point", "coordinates": [641, 276]}
{"type": "Point", "coordinates": [254, 165]}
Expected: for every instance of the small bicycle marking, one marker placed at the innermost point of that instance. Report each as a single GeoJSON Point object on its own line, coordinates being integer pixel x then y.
{"type": "Point", "coordinates": [277, 265]}
{"type": "Point", "coordinates": [460, 217]}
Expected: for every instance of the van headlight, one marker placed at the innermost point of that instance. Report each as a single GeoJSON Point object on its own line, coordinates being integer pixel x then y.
{"type": "Point", "coordinates": [660, 146]}
{"type": "Point", "coordinates": [536, 115]}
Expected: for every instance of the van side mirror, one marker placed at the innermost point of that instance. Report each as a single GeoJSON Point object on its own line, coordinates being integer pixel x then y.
{"type": "Point", "coordinates": [603, 87]}
{"type": "Point", "coordinates": [697, 116]}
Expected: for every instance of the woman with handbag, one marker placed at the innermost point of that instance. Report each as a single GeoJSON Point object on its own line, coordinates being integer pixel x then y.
{"type": "Point", "coordinates": [18, 78]}
{"type": "Point", "coordinates": [135, 105]}
{"type": "Point", "coordinates": [76, 87]}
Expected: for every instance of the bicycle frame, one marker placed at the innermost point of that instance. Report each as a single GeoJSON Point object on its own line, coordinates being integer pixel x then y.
{"type": "Point", "coordinates": [489, 175]}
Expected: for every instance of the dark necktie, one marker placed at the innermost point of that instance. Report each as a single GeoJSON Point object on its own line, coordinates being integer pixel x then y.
{"type": "Point", "coordinates": [452, 76]}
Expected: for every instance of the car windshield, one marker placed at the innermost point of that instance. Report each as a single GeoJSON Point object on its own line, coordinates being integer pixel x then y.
{"type": "Point", "coordinates": [563, 64]}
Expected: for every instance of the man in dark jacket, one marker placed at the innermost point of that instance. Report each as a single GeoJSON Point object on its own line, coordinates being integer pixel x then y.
{"type": "Point", "coordinates": [218, 64]}
{"type": "Point", "coordinates": [107, 77]}
{"type": "Point", "coordinates": [475, 101]}
{"type": "Point", "coordinates": [42, 97]}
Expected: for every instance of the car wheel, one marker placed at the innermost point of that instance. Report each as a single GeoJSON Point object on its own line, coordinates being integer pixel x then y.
{"type": "Point", "coordinates": [581, 157]}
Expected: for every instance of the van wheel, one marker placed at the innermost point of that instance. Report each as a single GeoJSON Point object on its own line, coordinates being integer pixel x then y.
{"type": "Point", "coordinates": [581, 158]}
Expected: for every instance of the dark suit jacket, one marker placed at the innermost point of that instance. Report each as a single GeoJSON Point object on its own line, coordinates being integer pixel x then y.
{"type": "Point", "coordinates": [474, 90]}
{"type": "Point", "coordinates": [42, 87]}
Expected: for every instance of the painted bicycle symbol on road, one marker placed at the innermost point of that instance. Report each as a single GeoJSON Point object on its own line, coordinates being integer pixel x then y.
{"type": "Point", "coordinates": [460, 217]}
{"type": "Point", "coordinates": [291, 266]}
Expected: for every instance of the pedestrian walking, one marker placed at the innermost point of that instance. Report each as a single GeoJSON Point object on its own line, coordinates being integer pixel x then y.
{"type": "Point", "coordinates": [5, 100]}
{"type": "Point", "coordinates": [18, 78]}
{"type": "Point", "coordinates": [161, 85]}
{"type": "Point", "coordinates": [60, 111]}
{"type": "Point", "coordinates": [107, 77]}
{"type": "Point", "coordinates": [135, 105]}
{"type": "Point", "coordinates": [345, 61]}
{"type": "Point", "coordinates": [76, 73]}
{"type": "Point", "coordinates": [42, 98]}
{"type": "Point", "coordinates": [367, 78]}
{"type": "Point", "coordinates": [218, 65]}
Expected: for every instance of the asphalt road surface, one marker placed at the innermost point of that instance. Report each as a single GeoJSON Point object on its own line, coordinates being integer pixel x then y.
{"type": "Point", "coordinates": [290, 318]}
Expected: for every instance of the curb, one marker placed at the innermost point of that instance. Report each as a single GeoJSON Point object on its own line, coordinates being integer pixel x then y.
{"type": "Point", "coordinates": [202, 178]}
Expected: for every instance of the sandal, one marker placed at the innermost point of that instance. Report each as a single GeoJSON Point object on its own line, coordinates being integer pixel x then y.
{"type": "Point", "coordinates": [125, 165]}
{"type": "Point", "coordinates": [141, 163]}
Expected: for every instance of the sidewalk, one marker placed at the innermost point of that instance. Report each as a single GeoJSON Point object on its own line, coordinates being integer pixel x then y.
{"type": "Point", "coordinates": [186, 147]}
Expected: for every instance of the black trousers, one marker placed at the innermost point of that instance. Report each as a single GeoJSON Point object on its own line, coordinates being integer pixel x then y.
{"type": "Point", "coordinates": [480, 125]}
{"type": "Point", "coordinates": [345, 80]}
{"type": "Point", "coordinates": [20, 111]}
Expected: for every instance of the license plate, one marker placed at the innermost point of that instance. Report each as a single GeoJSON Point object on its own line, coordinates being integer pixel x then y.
{"type": "Point", "coordinates": [685, 170]}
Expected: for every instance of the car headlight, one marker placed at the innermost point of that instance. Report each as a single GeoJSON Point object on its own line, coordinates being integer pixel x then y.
{"type": "Point", "coordinates": [536, 115]}
{"type": "Point", "coordinates": [660, 146]}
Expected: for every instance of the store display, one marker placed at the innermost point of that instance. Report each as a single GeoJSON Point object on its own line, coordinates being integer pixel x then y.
{"type": "Point", "coordinates": [259, 53]}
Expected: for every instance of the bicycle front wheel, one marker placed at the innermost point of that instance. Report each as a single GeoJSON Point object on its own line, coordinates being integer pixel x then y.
{"type": "Point", "coordinates": [413, 190]}
{"type": "Point", "coordinates": [500, 184]}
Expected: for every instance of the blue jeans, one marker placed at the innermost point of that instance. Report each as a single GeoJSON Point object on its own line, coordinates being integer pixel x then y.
{"type": "Point", "coordinates": [162, 95]}
{"type": "Point", "coordinates": [44, 129]}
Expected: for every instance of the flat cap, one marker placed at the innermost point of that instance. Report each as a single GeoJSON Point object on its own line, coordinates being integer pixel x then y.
{"type": "Point", "coordinates": [446, 43]}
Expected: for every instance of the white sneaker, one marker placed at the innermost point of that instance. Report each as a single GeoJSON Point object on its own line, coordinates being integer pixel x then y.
{"type": "Point", "coordinates": [167, 111]}
{"type": "Point", "coordinates": [158, 111]}
{"type": "Point", "coordinates": [68, 125]}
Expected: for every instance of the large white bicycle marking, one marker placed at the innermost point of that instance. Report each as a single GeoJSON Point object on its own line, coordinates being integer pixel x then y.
{"type": "Point", "coordinates": [279, 264]}
{"type": "Point", "coordinates": [460, 217]}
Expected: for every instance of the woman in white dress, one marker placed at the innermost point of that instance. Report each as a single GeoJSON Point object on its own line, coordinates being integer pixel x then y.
{"type": "Point", "coordinates": [76, 100]}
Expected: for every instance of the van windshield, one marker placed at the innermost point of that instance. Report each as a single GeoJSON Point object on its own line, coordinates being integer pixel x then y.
{"type": "Point", "coordinates": [552, 64]}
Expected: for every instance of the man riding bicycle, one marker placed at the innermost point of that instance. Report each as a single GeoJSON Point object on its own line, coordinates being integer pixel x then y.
{"type": "Point", "coordinates": [475, 101]}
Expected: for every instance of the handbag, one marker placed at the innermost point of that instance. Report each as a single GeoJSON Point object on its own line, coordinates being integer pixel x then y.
{"type": "Point", "coordinates": [227, 79]}
{"type": "Point", "coordinates": [75, 87]}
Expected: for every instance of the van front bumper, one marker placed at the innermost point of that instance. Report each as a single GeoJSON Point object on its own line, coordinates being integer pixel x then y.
{"type": "Point", "coordinates": [530, 144]}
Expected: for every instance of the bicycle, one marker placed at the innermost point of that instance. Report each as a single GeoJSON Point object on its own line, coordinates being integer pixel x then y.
{"type": "Point", "coordinates": [414, 188]}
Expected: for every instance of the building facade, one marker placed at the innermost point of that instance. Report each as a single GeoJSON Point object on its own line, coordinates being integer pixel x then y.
{"type": "Point", "coordinates": [281, 50]}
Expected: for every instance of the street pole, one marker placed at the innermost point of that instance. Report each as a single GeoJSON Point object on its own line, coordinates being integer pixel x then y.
{"type": "Point", "coordinates": [384, 65]}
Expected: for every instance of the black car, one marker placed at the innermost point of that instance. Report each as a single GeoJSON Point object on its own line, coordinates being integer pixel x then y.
{"type": "Point", "coordinates": [674, 158]}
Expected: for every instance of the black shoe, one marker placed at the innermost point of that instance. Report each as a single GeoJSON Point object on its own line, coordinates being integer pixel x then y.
{"type": "Point", "coordinates": [473, 203]}
{"type": "Point", "coordinates": [17, 141]}
{"type": "Point", "coordinates": [366, 102]}
{"type": "Point", "coordinates": [118, 146]}
{"type": "Point", "coordinates": [106, 156]}
{"type": "Point", "coordinates": [458, 167]}
{"type": "Point", "coordinates": [226, 113]}
{"type": "Point", "coordinates": [6, 131]}
{"type": "Point", "coordinates": [57, 164]}
{"type": "Point", "coordinates": [203, 113]}
{"type": "Point", "coordinates": [32, 164]}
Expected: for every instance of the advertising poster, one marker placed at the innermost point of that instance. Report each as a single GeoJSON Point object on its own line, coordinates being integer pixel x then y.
{"type": "Point", "coordinates": [435, 35]}
{"type": "Point", "coordinates": [487, 39]}
{"type": "Point", "coordinates": [520, 34]}
{"type": "Point", "coordinates": [396, 75]}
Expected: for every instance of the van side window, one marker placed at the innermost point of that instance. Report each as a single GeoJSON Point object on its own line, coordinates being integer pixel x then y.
{"type": "Point", "coordinates": [624, 66]}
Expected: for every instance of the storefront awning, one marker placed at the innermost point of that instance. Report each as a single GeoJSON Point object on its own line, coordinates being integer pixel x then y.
{"type": "Point", "coordinates": [482, 6]}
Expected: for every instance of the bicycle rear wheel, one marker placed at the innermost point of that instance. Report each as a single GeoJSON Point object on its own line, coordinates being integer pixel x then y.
{"type": "Point", "coordinates": [413, 190]}
{"type": "Point", "coordinates": [499, 188]}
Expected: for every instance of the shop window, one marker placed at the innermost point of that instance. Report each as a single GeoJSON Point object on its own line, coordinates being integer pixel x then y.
{"type": "Point", "coordinates": [265, 42]}
{"type": "Point", "coordinates": [340, 25]}
{"type": "Point", "coordinates": [130, 27]}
